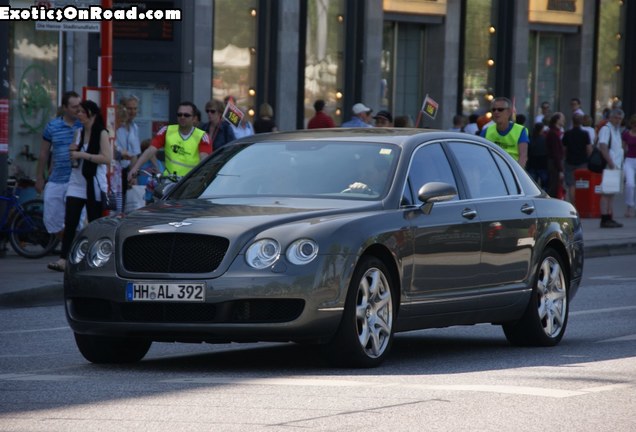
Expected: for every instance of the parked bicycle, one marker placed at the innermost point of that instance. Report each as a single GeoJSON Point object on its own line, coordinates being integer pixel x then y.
{"type": "Point", "coordinates": [157, 182]}
{"type": "Point", "coordinates": [23, 224]}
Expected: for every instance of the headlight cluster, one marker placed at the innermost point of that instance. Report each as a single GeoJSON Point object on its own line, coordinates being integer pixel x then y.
{"type": "Point", "coordinates": [96, 255]}
{"type": "Point", "coordinates": [263, 253]}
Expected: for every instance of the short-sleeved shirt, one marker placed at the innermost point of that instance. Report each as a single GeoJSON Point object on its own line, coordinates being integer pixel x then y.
{"type": "Point", "coordinates": [576, 141]}
{"type": "Point", "coordinates": [356, 122]}
{"type": "Point", "coordinates": [610, 135]}
{"type": "Point", "coordinates": [128, 139]}
{"type": "Point", "coordinates": [630, 140]}
{"type": "Point", "coordinates": [321, 121]}
{"type": "Point", "coordinates": [60, 135]}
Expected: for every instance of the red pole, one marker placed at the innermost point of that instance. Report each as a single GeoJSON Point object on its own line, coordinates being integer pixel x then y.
{"type": "Point", "coordinates": [106, 81]}
{"type": "Point", "coordinates": [106, 76]}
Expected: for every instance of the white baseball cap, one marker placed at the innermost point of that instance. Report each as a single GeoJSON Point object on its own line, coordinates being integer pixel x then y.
{"type": "Point", "coordinates": [360, 108]}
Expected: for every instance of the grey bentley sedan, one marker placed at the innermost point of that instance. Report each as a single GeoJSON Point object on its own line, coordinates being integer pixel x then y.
{"type": "Point", "coordinates": [338, 237]}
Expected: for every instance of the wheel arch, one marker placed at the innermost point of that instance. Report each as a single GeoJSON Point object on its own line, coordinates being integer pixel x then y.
{"type": "Point", "coordinates": [560, 248]}
{"type": "Point", "coordinates": [384, 254]}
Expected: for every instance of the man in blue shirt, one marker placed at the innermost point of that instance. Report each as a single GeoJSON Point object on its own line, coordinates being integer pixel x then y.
{"type": "Point", "coordinates": [361, 117]}
{"type": "Point", "coordinates": [56, 140]}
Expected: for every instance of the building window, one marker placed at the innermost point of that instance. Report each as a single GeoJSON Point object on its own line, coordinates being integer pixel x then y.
{"type": "Point", "coordinates": [479, 61]}
{"type": "Point", "coordinates": [235, 51]}
{"type": "Point", "coordinates": [33, 61]}
{"type": "Point", "coordinates": [544, 62]}
{"type": "Point", "coordinates": [325, 57]}
{"type": "Point", "coordinates": [388, 65]}
{"type": "Point", "coordinates": [609, 70]}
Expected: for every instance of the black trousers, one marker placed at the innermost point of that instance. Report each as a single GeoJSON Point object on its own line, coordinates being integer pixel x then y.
{"type": "Point", "coordinates": [124, 187]}
{"type": "Point", "coordinates": [72, 217]}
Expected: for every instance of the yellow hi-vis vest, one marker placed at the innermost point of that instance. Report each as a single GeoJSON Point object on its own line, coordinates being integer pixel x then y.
{"type": "Point", "coordinates": [508, 142]}
{"type": "Point", "coordinates": [181, 155]}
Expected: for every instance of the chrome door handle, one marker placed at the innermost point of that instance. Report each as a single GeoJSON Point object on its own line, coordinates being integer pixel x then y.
{"type": "Point", "coordinates": [527, 208]}
{"type": "Point", "coordinates": [469, 213]}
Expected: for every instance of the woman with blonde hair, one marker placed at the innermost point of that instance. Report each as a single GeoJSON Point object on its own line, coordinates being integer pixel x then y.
{"type": "Point", "coordinates": [265, 122]}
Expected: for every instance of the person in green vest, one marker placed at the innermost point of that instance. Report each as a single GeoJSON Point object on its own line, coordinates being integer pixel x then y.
{"type": "Point", "coordinates": [184, 144]}
{"type": "Point", "coordinates": [510, 136]}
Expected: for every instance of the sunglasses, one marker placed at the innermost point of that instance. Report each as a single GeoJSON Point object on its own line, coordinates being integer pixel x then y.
{"type": "Point", "coordinates": [210, 111]}
{"type": "Point", "coordinates": [186, 115]}
{"type": "Point", "coordinates": [499, 109]}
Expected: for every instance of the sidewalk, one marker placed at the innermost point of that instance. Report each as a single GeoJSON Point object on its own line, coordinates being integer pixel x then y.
{"type": "Point", "coordinates": [27, 282]}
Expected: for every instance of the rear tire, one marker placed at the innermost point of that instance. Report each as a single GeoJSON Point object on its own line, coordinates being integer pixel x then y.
{"type": "Point", "coordinates": [365, 334]}
{"type": "Point", "coordinates": [28, 235]}
{"type": "Point", "coordinates": [104, 349]}
{"type": "Point", "coordinates": [546, 317]}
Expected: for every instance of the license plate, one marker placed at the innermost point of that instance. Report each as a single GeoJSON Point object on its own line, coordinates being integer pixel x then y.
{"type": "Point", "coordinates": [165, 292]}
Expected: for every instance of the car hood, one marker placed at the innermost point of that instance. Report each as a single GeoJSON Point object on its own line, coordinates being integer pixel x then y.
{"type": "Point", "coordinates": [232, 218]}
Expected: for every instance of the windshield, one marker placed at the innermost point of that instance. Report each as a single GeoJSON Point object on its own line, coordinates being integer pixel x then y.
{"type": "Point", "coordinates": [308, 169]}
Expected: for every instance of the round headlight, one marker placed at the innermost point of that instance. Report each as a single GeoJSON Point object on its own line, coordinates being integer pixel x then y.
{"type": "Point", "coordinates": [100, 252]}
{"type": "Point", "coordinates": [302, 251]}
{"type": "Point", "coordinates": [79, 251]}
{"type": "Point", "coordinates": [262, 253]}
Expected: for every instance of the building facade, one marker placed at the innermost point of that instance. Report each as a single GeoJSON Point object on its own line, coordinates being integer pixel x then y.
{"type": "Point", "coordinates": [388, 54]}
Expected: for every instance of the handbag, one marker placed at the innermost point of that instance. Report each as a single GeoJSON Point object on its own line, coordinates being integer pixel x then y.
{"type": "Point", "coordinates": [596, 162]}
{"type": "Point", "coordinates": [108, 199]}
{"type": "Point", "coordinates": [611, 182]}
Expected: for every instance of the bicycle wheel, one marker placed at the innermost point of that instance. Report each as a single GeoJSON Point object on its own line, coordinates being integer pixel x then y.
{"type": "Point", "coordinates": [27, 233]}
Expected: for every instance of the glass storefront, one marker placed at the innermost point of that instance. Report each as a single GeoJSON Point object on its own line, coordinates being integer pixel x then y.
{"type": "Point", "coordinates": [609, 74]}
{"type": "Point", "coordinates": [479, 64]}
{"type": "Point", "coordinates": [235, 52]}
{"type": "Point", "coordinates": [544, 70]}
{"type": "Point", "coordinates": [324, 53]}
{"type": "Point", "coordinates": [33, 71]}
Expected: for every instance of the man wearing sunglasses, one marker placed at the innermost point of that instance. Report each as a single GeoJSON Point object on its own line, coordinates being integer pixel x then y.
{"type": "Point", "coordinates": [184, 145]}
{"type": "Point", "coordinates": [510, 136]}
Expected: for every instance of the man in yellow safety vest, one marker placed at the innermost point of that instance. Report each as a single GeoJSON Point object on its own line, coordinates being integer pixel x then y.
{"type": "Point", "coordinates": [510, 136]}
{"type": "Point", "coordinates": [184, 145]}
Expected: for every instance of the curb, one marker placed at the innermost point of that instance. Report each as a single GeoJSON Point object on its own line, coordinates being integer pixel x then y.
{"type": "Point", "coordinates": [53, 295]}
{"type": "Point", "coordinates": [47, 295]}
{"type": "Point", "coordinates": [605, 250]}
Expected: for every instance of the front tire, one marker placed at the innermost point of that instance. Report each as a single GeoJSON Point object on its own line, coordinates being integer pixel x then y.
{"type": "Point", "coordinates": [365, 334]}
{"type": "Point", "coordinates": [104, 349]}
{"type": "Point", "coordinates": [546, 317]}
{"type": "Point", "coordinates": [28, 236]}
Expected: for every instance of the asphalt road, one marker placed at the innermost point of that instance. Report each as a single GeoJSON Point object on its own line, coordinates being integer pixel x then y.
{"type": "Point", "coordinates": [454, 379]}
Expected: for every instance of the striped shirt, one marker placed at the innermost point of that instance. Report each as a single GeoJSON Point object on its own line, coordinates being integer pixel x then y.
{"type": "Point", "coordinates": [60, 136]}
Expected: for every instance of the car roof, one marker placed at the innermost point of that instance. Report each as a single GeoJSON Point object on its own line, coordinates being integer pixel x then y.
{"type": "Point", "coordinates": [403, 137]}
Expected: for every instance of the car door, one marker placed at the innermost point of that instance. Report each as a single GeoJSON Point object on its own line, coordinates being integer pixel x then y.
{"type": "Point", "coordinates": [508, 218]}
{"type": "Point", "coordinates": [447, 242]}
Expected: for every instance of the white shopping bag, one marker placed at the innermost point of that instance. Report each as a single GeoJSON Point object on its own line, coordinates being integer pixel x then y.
{"type": "Point", "coordinates": [612, 181]}
{"type": "Point", "coordinates": [135, 198]}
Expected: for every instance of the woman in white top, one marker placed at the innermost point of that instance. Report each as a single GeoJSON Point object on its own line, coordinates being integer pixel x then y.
{"type": "Point", "coordinates": [88, 178]}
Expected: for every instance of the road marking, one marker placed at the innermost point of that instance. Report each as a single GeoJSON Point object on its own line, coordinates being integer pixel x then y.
{"type": "Point", "coordinates": [500, 389]}
{"type": "Point", "coordinates": [609, 387]}
{"type": "Point", "coordinates": [34, 330]}
{"type": "Point", "coordinates": [34, 377]}
{"type": "Point", "coordinates": [605, 310]}
{"type": "Point", "coordinates": [613, 278]}
{"type": "Point", "coordinates": [620, 339]}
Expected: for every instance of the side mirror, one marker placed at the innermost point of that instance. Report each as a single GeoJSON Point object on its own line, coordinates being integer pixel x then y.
{"type": "Point", "coordinates": [163, 188]}
{"type": "Point", "coordinates": [434, 192]}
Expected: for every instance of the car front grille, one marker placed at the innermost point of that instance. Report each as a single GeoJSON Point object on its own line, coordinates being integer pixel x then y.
{"type": "Point", "coordinates": [173, 253]}
{"type": "Point", "coordinates": [251, 311]}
